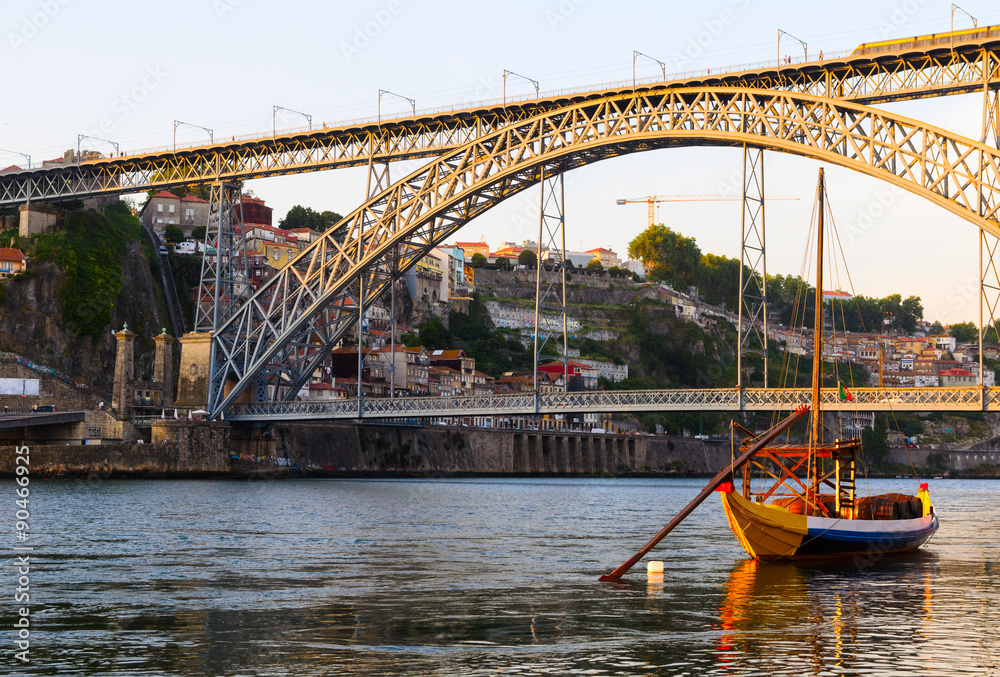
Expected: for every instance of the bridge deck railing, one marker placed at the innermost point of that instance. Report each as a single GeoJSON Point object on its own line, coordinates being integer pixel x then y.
{"type": "Point", "coordinates": [608, 401]}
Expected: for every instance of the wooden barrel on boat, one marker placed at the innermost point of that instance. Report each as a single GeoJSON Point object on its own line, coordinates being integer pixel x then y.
{"type": "Point", "coordinates": [863, 508]}
{"type": "Point", "coordinates": [916, 508]}
{"type": "Point", "coordinates": [885, 508]}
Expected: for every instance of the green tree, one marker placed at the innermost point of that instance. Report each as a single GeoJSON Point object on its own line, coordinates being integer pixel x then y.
{"type": "Point", "coordinates": [911, 312]}
{"type": "Point", "coordinates": [937, 328]}
{"type": "Point", "coordinates": [305, 217]}
{"type": "Point", "coordinates": [875, 441]}
{"type": "Point", "coordinates": [964, 332]}
{"type": "Point", "coordinates": [669, 256]}
{"type": "Point", "coordinates": [718, 280]}
{"type": "Point", "coordinates": [173, 234]}
{"type": "Point", "coordinates": [595, 266]}
{"type": "Point", "coordinates": [478, 261]}
{"type": "Point", "coordinates": [434, 335]}
{"type": "Point", "coordinates": [198, 233]}
{"type": "Point", "coordinates": [527, 258]}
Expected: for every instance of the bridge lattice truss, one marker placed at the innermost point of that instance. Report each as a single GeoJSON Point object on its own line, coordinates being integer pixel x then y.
{"type": "Point", "coordinates": [914, 75]}
{"type": "Point", "coordinates": [289, 326]}
{"type": "Point", "coordinates": [711, 399]}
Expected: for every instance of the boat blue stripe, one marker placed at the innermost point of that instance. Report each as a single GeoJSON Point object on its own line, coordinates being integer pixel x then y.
{"type": "Point", "coordinates": [869, 536]}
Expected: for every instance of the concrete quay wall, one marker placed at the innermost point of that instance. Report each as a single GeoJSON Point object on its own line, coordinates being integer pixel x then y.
{"type": "Point", "coordinates": [179, 449]}
{"type": "Point", "coordinates": [194, 448]}
{"type": "Point", "coordinates": [404, 449]}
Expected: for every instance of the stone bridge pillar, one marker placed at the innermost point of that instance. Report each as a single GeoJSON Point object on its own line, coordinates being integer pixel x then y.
{"type": "Point", "coordinates": [122, 395]}
{"type": "Point", "coordinates": [192, 383]}
{"type": "Point", "coordinates": [163, 366]}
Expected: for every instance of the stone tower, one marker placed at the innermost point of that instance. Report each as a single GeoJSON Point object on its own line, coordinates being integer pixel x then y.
{"type": "Point", "coordinates": [163, 366]}
{"type": "Point", "coordinates": [122, 395]}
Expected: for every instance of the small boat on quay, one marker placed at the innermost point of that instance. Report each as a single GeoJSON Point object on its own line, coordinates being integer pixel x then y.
{"type": "Point", "coordinates": [798, 501]}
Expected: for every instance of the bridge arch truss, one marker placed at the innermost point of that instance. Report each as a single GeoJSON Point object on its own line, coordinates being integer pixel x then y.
{"type": "Point", "coordinates": [290, 324]}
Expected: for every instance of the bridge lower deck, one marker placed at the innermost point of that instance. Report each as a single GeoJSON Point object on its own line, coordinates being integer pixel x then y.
{"type": "Point", "coordinates": [612, 401]}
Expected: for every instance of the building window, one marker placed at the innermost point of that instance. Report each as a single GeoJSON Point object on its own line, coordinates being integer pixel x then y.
{"type": "Point", "coordinates": [189, 213]}
{"type": "Point", "coordinates": [171, 209]}
{"type": "Point", "coordinates": [159, 220]}
{"type": "Point", "coordinates": [159, 208]}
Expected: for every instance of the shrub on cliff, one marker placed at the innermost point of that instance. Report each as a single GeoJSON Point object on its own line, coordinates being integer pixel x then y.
{"type": "Point", "coordinates": [89, 250]}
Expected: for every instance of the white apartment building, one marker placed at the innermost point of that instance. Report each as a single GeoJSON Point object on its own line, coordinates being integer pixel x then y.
{"type": "Point", "coordinates": [609, 370]}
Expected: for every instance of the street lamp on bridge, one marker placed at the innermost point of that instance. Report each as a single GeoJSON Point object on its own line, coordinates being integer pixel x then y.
{"type": "Point", "coordinates": [805, 47]}
{"type": "Point", "coordinates": [178, 123]}
{"type": "Point", "coordinates": [17, 152]}
{"type": "Point", "coordinates": [383, 92]}
{"type": "Point", "coordinates": [80, 137]}
{"type": "Point", "coordinates": [636, 54]}
{"type": "Point", "coordinates": [975, 23]}
{"type": "Point", "coordinates": [523, 77]}
{"type": "Point", "coordinates": [274, 113]}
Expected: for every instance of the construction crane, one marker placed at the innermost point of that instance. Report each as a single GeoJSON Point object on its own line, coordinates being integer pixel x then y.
{"type": "Point", "coordinates": [652, 200]}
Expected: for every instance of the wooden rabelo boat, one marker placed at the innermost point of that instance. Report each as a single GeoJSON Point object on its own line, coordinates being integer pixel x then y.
{"type": "Point", "coordinates": [807, 506]}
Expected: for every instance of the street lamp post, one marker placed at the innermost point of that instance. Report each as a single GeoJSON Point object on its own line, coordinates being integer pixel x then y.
{"type": "Point", "coordinates": [636, 54]}
{"type": "Point", "coordinates": [274, 111]}
{"type": "Point", "coordinates": [805, 47]}
{"type": "Point", "coordinates": [975, 23]}
{"type": "Point", "coordinates": [178, 123]}
{"type": "Point", "coordinates": [17, 152]}
{"type": "Point", "coordinates": [383, 92]}
{"type": "Point", "coordinates": [523, 77]}
{"type": "Point", "coordinates": [80, 137]}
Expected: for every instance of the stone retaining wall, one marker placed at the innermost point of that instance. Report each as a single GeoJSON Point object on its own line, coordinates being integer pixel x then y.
{"type": "Point", "coordinates": [405, 449]}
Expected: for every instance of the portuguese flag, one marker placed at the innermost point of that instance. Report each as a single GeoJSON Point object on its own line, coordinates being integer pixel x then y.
{"type": "Point", "coordinates": [845, 394]}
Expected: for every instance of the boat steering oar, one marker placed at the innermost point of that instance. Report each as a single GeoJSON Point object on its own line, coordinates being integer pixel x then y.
{"type": "Point", "coordinates": [714, 484]}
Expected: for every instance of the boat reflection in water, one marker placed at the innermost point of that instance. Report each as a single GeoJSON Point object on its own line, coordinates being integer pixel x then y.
{"type": "Point", "coordinates": [779, 618]}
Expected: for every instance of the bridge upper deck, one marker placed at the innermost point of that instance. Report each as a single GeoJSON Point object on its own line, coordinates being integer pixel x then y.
{"type": "Point", "coordinates": [932, 71]}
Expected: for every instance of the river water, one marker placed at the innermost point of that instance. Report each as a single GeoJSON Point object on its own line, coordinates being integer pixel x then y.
{"type": "Point", "coordinates": [477, 577]}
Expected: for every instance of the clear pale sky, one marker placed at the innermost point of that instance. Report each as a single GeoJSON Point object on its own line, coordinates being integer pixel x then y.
{"type": "Point", "coordinates": [132, 68]}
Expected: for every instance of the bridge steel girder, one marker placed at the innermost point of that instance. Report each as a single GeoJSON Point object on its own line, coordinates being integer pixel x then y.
{"type": "Point", "coordinates": [869, 80]}
{"type": "Point", "coordinates": [292, 321]}
{"type": "Point", "coordinates": [608, 401]}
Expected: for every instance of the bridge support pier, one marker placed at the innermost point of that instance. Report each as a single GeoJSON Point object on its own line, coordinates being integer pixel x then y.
{"type": "Point", "coordinates": [192, 382]}
{"type": "Point", "coordinates": [123, 389]}
{"type": "Point", "coordinates": [753, 268]}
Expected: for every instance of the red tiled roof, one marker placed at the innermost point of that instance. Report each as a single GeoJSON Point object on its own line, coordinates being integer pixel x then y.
{"type": "Point", "coordinates": [192, 198]}
{"type": "Point", "coordinates": [601, 250]}
{"type": "Point", "coordinates": [447, 354]}
{"type": "Point", "coordinates": [15, 255]}
{"type": "Point", "coordinates": [955, 372]}
{"type": "Point", "coordinates": [166, 194]}
{"type": "Point", "coordinates": [12, 168]}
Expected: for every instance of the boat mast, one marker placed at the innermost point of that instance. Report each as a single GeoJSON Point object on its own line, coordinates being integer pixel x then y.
{"type": "Point", "coordinates": [817, 418]}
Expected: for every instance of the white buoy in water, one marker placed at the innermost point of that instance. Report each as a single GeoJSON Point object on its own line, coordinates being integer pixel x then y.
{"type": "Point", "coordinates": [654, 567]}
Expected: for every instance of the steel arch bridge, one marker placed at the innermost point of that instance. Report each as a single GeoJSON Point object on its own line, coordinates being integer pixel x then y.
{"type": "Point", "coordinates": [914, 74]}
{"type": "Point", "coordinates": [291, 323]}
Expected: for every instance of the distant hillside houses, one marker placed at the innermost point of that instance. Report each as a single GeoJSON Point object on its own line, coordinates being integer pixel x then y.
{"type": "Point", "coordinates": [510, 316]}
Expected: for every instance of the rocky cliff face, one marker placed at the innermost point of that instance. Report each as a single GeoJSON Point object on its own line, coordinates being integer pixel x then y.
{"type": "Point", "coordinates": [31, 321]}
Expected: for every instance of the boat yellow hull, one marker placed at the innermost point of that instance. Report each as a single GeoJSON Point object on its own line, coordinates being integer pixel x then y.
{"type": "Point", "coordinates": [769, 532]}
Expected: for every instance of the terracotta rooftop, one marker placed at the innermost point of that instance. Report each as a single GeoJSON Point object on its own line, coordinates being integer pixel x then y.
{"type": "Point", "coordinates": [12, 255]}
